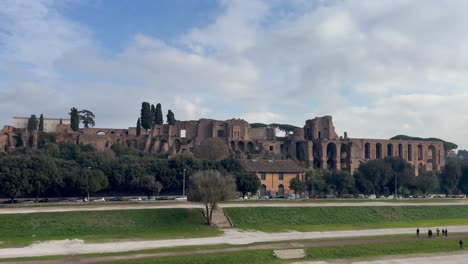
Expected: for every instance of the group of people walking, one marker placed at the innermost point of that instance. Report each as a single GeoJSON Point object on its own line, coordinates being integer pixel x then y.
{"type": "Point", "coordinates": [444, 234]}
{"type": "Point", "coordinates": [429, 232]}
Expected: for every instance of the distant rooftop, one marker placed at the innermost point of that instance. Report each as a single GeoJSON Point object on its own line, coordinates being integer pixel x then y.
{"type": "Point", "coordinates": [262, 165]}
{"type": "Point", "coordinates": [45, 118]}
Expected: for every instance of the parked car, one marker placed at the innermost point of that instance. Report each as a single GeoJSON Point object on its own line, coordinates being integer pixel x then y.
{"type": "Point", "coordinates": [181, 198]}
{"type": "Point", "coordinates": [99, 200]}
{"type": "Point", "coordinates": [347, 196]}
{"type": "Point", "coordinates": [135, 199]}
{"type": "Point", "coordinates": [372, 196]}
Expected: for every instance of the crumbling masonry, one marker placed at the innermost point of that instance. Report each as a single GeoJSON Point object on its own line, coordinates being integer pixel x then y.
{"type": "Point", "coordinates": [315, 146]}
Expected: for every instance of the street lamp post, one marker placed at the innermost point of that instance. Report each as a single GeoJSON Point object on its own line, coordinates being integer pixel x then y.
{"type": "Point", "coordinates": [396, 190]}
{"type": "Point", "coordinates": [183, 186]}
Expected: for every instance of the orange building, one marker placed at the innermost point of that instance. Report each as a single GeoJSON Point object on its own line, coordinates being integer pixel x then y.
{"type": "Point", "coordinates": [274, 175]}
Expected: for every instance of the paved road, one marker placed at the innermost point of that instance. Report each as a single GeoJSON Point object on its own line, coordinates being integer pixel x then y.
{"type": "Point", "coordinates": [32, 209]}
{"type": "Point", "coordinates": [442, 258]}
{"type": "Point", "coordinates": [231, 236]}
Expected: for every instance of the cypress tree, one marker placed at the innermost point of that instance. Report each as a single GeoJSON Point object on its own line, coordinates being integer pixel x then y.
{"type": "Point", "coordinates": [146, 116]}
{"type": "Point", "coordinates": [74, 119]}
{"type": "Point", "coordinates": [32, 123]}
{"type": "Point", "coordinates": [41, 123]}
{"type": "Point", "coordinates": [170, 117]}
{"type": "Point", "coordinates": [138, 127]}
{"type": "Point", "coordinates": [158, 120]}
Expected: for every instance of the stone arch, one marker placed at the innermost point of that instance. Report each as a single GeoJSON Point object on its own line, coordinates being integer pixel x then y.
{"type": "Point", "coordinates": [378, 151]}
{"type": "Point", "coordinates": [400, 150]}
{"type": "Point", "coordinates": [233, 145]}
{"type": "Point", "coordinates": [344, 157]}
{"type": "Point", "coordinates": [420, 152]}
{"type": "Point", "coordinates": [263, 190]}
{"type": "Point", "coordinates": [112, 132]}
{"type": "Point", "coordinates": [410, 152]}
{"type": "Point", "coordinates": [177, 146]}
{"type": "Point", "coordinates": [250, 147]}
{"type": "Point", "coordinates": [280, 189]}
{"type": "Point", "coordinates": [432, 160]}
{"type": "Point", "coordinates": [331, 156]}
{"type": "Point", "coordinates": [367, 151]}
{"type": "Point", "coordinates": [317, 152]}
{"type": "Point", "coordinates": [390, 150]}
{"type": "Point", "coordinates": [241, 146]}
{"type": "Point", "coordinates": [101, 133]}
{"type": "Point", "coordinates": [5, 141]}
{"type": "Point", "coordinates": [163, 146]}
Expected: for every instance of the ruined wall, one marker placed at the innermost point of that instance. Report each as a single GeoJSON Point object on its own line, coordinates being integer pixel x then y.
{"type": "Point", "coordinates": [316, 145]}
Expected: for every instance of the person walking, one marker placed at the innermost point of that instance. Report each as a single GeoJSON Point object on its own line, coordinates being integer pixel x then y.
{"type": "Point", "coordinates": [437, 231]}
{"type": "Point", "coordinates": [461, 243]}
{"type": "Point", "coordinates": [417, 232]}
{"type": "Point", "coordinates": [443, 232]}
{"type": "Point", "coordinates": [446, 233]}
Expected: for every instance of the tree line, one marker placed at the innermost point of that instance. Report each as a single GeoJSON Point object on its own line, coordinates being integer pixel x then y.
{"type": "Point", "coordinates": [383, 177]}
{"type": "Point", "coordinates": [69, 170]}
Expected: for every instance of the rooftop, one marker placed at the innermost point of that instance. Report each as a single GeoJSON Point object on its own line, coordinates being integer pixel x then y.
{"type": "Point", "coordinates": [271, 165]}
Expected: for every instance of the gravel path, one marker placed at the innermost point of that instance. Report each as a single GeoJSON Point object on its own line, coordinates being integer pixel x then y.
{"type": "Point", "coordinates": [231, 236]}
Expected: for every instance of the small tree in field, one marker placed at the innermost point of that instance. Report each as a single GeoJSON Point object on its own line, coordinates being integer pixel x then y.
{"type": "Point", "coordinates": [247, 182]}
{"type": "Point", "coordinates": [211, 187]}
{"type": "Point", "coordinates": [297, 185]}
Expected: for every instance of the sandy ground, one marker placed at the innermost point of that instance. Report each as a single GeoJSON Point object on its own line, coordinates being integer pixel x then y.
{"type": "Point", "coordinates": [27, 210]}
{"type": "Point", "coordinates": [231, 236]}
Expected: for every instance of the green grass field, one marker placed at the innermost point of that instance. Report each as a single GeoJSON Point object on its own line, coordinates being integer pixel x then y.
{"type": "Point", "coordinates": [103, 225]}
{"type": "Point", "coordinates": [403, 201]}
{"type": "Point", "coordinates": [361, 251]}
{"type": "Point", "coordinates": [275, 219]}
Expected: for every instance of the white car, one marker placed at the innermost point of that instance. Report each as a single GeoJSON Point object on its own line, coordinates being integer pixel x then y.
{"type": "Point", "coordinates": [135, 199]}
{"type": "Point", "coordinates": [372, 196]}
{"type": "Point", "coordinates": [99, 200]}
{"type": "Point", "coordinates": [181, 198]}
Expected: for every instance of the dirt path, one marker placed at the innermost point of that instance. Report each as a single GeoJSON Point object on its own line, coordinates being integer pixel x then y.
{"type": "Point", "coordinates": [231, 236]}
{"type": "Point", "coordinates": [236, 249]}
{"type": "Point", "coordinates": [188, 205]}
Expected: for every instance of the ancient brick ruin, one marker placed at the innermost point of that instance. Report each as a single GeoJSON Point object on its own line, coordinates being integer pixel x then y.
{"type": "Point", "coordinates": [315, 146]}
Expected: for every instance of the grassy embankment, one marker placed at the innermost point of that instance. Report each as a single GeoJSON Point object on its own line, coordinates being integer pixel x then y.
{"type": "Point", "coordinates": [319, 201]}
{"type": "Point", "coordinates": [275, 219]}
{"type": "Point", "coordinates": [312, 254]}
{"type": "Point", "coordinates": [20, 229]}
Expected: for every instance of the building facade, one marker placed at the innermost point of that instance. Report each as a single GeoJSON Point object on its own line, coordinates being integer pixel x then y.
{"type": "Point", "coordinates": [274, 175]}
{"type": "Point", "coordinates": [50, 124]}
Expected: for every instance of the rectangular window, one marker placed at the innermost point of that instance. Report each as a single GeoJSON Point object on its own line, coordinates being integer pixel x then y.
{"type": "Point", "coordinates": [182, 133]}
{"type": "Point", "coordinates": [220, 133]}
{"type": "Point", "coordinates": [281, 176]}
{"type": "Point", "coordinates": [263, 176]}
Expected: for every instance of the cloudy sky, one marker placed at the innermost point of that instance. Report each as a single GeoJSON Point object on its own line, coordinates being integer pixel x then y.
{"type": "Point", "coordinates": [380, 68]}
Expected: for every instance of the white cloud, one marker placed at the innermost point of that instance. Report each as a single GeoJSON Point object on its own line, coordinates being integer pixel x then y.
{"type": "Point", "coordinates": [379, 67]}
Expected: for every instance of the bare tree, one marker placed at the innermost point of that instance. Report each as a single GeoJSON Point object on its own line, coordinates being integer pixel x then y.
{"type": "Point", "coordinates": [211, 187]}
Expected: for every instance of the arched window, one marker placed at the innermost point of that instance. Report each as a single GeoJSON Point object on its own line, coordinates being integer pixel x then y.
{"type": "Point", "coordinates": [280, 189]}
{"type": "Point", "coordinates": [378, 151]}
{"type": "Point", "coordinates": [390, 150]}
{"type": "Point", "coordinates": [367, 151]}
{"type": "Point", "coordinates": [410, 152]}
{"type": "Point", "coordinates": [263, 190]}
